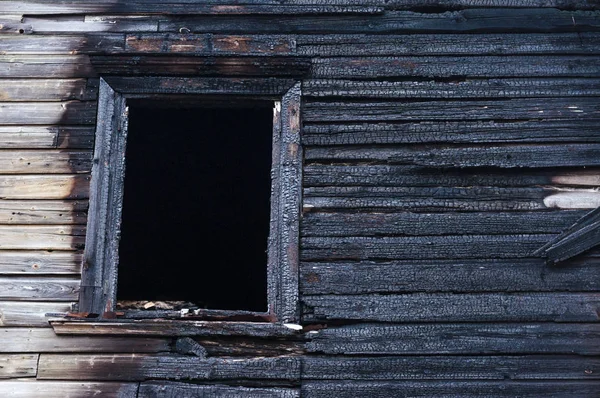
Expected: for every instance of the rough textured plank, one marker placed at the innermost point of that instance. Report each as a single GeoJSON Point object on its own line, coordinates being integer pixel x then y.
{"type": "Point", "coordinates": [467, 89]}
{"type": "Point", "coordinates": [486, 307]}
{"type": "Point", "coordinates": [45, 340]}
{"type": "Point", "coordinates": [65, 389]}
{"type": "Point", "coordinates": [449, 276]}
{"type": "Point", "coordinates": [45, 137]}
{"type": "Point", "coordinates": [41, 237]}
{"type": "Point", "coordinates": [546, 108]}
{"type": "Point", "coordinates": [180, 390]}
{"type": "Point", "coordinates": [45, 161]}
{"type": "Point", "coordinates": [78, 24]}
{"type": "Point", "coordinates": [451, 368]}
{"type": "Point", "coordinates": [46, 66]}
{"type": "Point", "coordinates": [567, 130]}
{"type": "Point", "coordinates": [143, 367]}
{"type": "Point", "coordinates": [18, 365]}
{"type": "Point", "coordinates": [91, 43]}
{"type": "Point", "coordinates": [450, 389]}
{"type": "Point", "coordinates": [336, 45]}
{"type": "Point", "coordinates": [505, 338]}
{"type": "Point", "coordinates": [46, 89]}
{"type": "Point", "coordinates": [43, 212]}
{"type": "Point", "coordinates": [173, 328]}
{"type": "Point", "coordinates": [18, 313]}
{"type": "Point", "coordinates": [68, 112]}
{"type": "Point", "coordinates": [45, 186]}
{"type": "Point", "coordinates": [576, 243]}
{"type": "Point", "coordinates": [39, 289]}
{"type": "Point", "coordinates": [39, 262]}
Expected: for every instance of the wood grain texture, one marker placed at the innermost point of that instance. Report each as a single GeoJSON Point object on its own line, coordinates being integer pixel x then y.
{"type": "Point", "coordinates": [140, 367]}
{"type": "Point", "coordinates": [41, 237]}
{"type": "Point", "coordinates": [68, 112]}
{"type": "Point", "coordinates": [18, 366]}
{"type": "Point", "coordinates": [64, 389]}
{"type": "Point", "coordinates": [32, 340]}
{"type": "Point", "coordinates": [40, 186]}
{"type": "Point", "coordinates": [30, 314]}
{"type": "Point", "coordinates": [156, 389]}
{"type": "Point", "coordinates": [45, 161]}
{"type": "Point", "coordinates": [46, 66]}
{"type": "Point", "coordinates": [39, 262]}
{"type": "Point", "coordinates": [46, 137]}
{"type": "Point", "coordinates": [39, 289]}
{"type": "Point", "coordinates": [517, 275]}
{"type": "Point", "coordinates": [92, 43]}
{"type": "Point", "coordinates": [474, 338]}
{"type": "Point", "coordinates": [46, 89]}
{"type": "Point", "coordinates": [41, 212]}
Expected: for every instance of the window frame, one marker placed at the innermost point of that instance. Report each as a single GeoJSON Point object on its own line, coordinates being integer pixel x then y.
{"type": "Point", "coordinates": [100, 260]}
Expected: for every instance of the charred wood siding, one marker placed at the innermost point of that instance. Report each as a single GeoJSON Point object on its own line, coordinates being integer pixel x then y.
{"type": "Point", "coordinates": [445, 142]}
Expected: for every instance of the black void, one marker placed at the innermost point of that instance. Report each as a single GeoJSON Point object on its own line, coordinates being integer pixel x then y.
{"type": "Point", "coordinates": [196, 206]}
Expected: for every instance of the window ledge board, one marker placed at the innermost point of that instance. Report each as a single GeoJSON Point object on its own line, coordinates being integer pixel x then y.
{"type": "Point", "coordinates": [165, 327]}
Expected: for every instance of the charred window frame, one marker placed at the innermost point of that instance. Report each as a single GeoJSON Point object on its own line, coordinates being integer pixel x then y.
{"type": "Point", "coordinates": [100, 264]}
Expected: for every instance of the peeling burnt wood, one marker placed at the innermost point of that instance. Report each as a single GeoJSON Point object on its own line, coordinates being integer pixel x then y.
{"type": "Point", "coordinates": [474, 20]}
{"type": "Point", "coordinates": [585, 220]}
{"type": "Point", "coordinates": [62, 389]}
{"type": "Point", "coordinates": [62, 186]}
{"type": "Point", "coordinates": [42, 212]}
{"type": "Point", "coordinates": [127, 367]}
{"type": "Point", "coordinates": [459, 367]}
{"type": "Point", "coordinates": [533, 108]}
{"type": "Point", "coordinates": [47, 89]}
{"type": "Point", "coordinates": [408, 223]}
{"type": "Point", "coordinates": [25, 340]}
{"type": "Point", "coordinates": [156, 389]}
{"type": "Point", "coordinates": [32, 314]}
{"type": "Point", "coordinates": [339, 45]}
{"type": "Point", "coordinates": [523, 131]}
{"type": "Point", "coordinates": [46, 66]}
{"type": "Point", "coordinates": [504, 156]}
{"type": "Point", "coordinates": [39, 288]}
{"type": "Point", "coordinates": [576, 243]}
{"type": "Point", "coordinates": [41, 237]}
{"type": "Point", "coordinates": [207, 85]}
{"type": "Point", "coordinates": [473, 338]}
{"type": "Point", "coordinates": [420, 247]}
{"type": "Point", "coordinates": [45, 161]}
{"type": "Point", "coordinates": [444, 307]}
{"type": "Point", "coordinates": [159, 327]}
{"type": "Point", "coordinates": [149, 65]}
{"type": "Point", "coordinates": [449, 67]}
{"type": "Point", "coordinates": [18, 366]}
{"type": "Point", "coordinates": [517, 275]}
{"type": "Point", "coordinates": [46, 137]}
{"type": "Point", "coordinates": [466, 89]}
{"type": "Point", "coordinates": [450, 389]}
{"type": "Point", "coordinates": [39, 262]}
{"type": "Point", "coordinates": [68, 112]}
{"type": "Point", "coordinates": [427, 199]}
{"type": "Point", "coordinates": [400, 175]}
{"type": "Point", "coordinates": [189, 346]}
{"type": "Point", "coordinates": [250, 347]}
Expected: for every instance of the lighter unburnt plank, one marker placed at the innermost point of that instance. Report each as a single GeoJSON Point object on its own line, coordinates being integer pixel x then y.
{"type": "Point", "coordinates": [62, 389]}
{"type": "Point", "coordinates": [31, 314]}
{"type": "Point", "coordinates": [43, 212]}
{"type": "Point", "coordinates": [46, 66]}
{"type": "Point", "coordinates": [68, 112]}
{"type": "Point", "coordinates": [45, 161]}
{"type": "Point", "coordinates": [46, 89]}
{"type": "Point", "coordinates": [45, 186]}
{"type": "Point", "coordinates": [91, 43]}
{"type": "Point", "coordinates": [42, 237]}
{"type": "Point", "coordinates": [18, 366]}
{"type": "Point", "coordinates": [46, 137]}
{"type": "Point", "coordinates": [39, 288]}
{"type": "Point", "coordinates": [15, 262]}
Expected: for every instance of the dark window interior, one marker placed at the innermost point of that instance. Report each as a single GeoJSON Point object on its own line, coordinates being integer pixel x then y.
{"type": "Point", "coordinates": [196, 206]}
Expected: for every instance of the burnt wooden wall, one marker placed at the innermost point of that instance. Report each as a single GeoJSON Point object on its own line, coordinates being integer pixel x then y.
{"type": "Point", "coordinates": [445, 141]}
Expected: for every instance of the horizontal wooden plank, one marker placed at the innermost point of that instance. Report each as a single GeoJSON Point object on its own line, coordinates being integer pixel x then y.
{"type": "Point", "coordinates": [473, 338]}
{"type": "Point", "coordinates": [472, 20]}
{"type": "Point", "coordinates": [339, 45]}
{"type": "Point", "coordinates": [46, 66]}
{"type": "Point", "coordinates": [45, 137]}
{"type": "Point", "coordinates": [39, 262]}
{"type": "Point", "coordinates": [426, 247]}
{"type": "Point", "coordinates": [42, 237]}
{"type": "Point", "coordinates": [42, 161]}
{"type": "Point", "coordinates": [139, 367]}
{"type": "Point", "coordinates": [39, 288]}
{"type": "Point", "coordinates": [63, 186]}
{"type": "Point", "coordinates": [18, 366]}
{"type": "Point", "coordinates": [62, 389]}
{"type": "Point", "coordinates": [453, 66]}
{"type": "Point", "coordinates": [450, 389]}
{"type": "Point", "coordinates": [155, 389]}
{"type": "Point", "coordinates": [467, 89]}
{"type": "Point", "coordinates": [77, 24]}
{"type": "Point", "coordinates": [523, 131]}
{"type": "Point", "coordinates": [157, 327]}
{"type": "Point", "coordinates": [451, 307]}
{"type": "Point", "coordinates": [25, 340]}
{"type": "Point", "coordinates": [92, 43]}
{"type": "Point", "coordinates": [530, 108]}
{"type": "Point", "coordinates": [451, 368]}
{"type": "Point", "coordinates": [408, 223]}
{"type": "Point", "coordinates": [41, 212]}
{"type": "Point", "coordinates": [31, 314]}
{"type": "Point", "coordinates": [67, 112]}
{"type": "Point", "coordinates": [47, 89]}
{"type": "Point", "coordinates": [470, 198]}
{"type": "Point", "coordinates": [517, 275]}
{"type": "Point", "coordinates": [316, 175]}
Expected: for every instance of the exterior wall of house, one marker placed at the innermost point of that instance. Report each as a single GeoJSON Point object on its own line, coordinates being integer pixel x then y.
{"type": "Point", "coordinates": [444, 142]}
